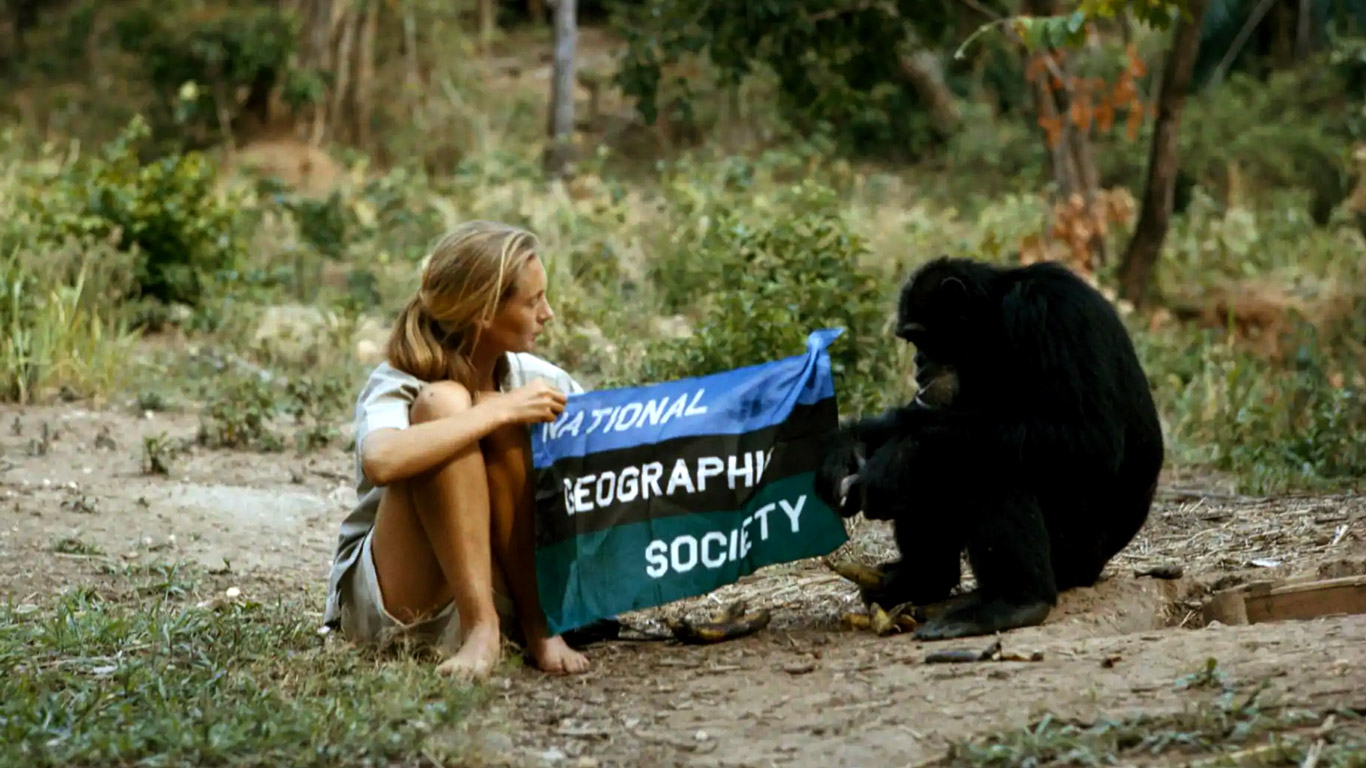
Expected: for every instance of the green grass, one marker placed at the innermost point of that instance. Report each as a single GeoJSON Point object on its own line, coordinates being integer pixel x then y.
{"type": "Point", "coordinates": [90, 680]}
{"type": "Point", "coordinates": [1225, 724]}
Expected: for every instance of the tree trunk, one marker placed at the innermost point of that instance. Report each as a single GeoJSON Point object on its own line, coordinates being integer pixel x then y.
{"type": "Point", "coordinates": [536, 10]}
{"type": "Point", "coordinates": [559, 150]}
{"type": "Point", "coordinates": [922, 70]}
{"type": "Point", "coordinates": [1136, 270]}
{"type": "Point", "coordinates": [488, 23]}
{"type": "Point", "coordinates": [1304, 42]}
{"type": "Point", "coordinates": [322, 21]}
{"type": "Point", "coordinates": [413, 74]}
{"type": "Point", "coordinates": [363, 107]}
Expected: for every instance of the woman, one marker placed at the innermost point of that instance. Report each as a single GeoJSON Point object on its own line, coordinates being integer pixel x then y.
{"type": "Point", "coordinates": [441, 545]}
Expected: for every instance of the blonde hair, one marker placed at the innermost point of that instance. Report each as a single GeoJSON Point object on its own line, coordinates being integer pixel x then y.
{"type": "Point", "coordinates": [468, 275]}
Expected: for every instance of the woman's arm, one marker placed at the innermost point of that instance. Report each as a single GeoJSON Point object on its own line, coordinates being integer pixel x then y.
{"type": "Point", "coordinates": [389, 455]}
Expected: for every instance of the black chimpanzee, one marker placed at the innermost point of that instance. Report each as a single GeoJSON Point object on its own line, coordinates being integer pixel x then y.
{"type": "Point", "coordinates": [1036, 449]}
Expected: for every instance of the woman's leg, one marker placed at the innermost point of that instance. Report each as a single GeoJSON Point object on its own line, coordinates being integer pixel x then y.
{"type": "Point", "coordinates": [432, 543]}
{"type": "Point", "coordinates": [507, 457]}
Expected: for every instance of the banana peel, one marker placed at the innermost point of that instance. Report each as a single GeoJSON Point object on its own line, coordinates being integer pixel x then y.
{"type": "Point", "coordinates": [865, 576]}
{"type": "Point", "coordinates": [729, 623]}
{"type": "Point", "coordinates": [882, 622]}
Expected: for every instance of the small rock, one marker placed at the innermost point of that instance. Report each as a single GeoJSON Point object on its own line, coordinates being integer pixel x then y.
{"type": "Point", "coordinates": [586, 762]}
{"type": "Point", "coordinates": [552, 755]}
{"type": "Point", "coordinates": [492, 744]}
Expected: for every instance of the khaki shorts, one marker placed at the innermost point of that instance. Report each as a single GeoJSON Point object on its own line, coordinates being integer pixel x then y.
{"type": "Point", "coordinates": [365, 621]}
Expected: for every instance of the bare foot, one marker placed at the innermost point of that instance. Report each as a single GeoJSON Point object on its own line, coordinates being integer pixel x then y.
{"type": "Point", "coordinates": [555, 656]}
{"type": "Point", "coordinates": [477, 656]}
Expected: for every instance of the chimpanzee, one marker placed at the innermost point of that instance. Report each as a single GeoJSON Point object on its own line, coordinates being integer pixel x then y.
{"type": "Point", "coordinates": [1036, 445]}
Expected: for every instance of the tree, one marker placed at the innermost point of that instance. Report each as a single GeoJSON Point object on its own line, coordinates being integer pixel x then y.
{"type": "Point", "coordinates": [339, 39]}
{"type": "Point", "coordinates": [873, 72]}
{"type": "Point", "coordinates": [1139, 264]}
{"type": "Point", "coordinates": [1140, 259]}
{"type": "Point", "coordinates": [559, 149]}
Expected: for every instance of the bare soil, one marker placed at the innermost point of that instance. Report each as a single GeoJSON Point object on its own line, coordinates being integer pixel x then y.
{"type": "Point", "coordinates": [76, 505]}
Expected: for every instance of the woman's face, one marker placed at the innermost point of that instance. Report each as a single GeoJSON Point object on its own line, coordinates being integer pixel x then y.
{"type": "Point", "coordinates": [523, 316]}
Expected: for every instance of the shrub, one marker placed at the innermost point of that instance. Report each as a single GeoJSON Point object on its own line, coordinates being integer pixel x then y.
{"type": "Point", "coordinates": [768, 285]}
{"type": "Point", "coordinates": [165, 211]}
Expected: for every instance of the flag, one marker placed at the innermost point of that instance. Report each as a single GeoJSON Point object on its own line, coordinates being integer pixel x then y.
{"type": "Point", "coordinates": [647, 495]}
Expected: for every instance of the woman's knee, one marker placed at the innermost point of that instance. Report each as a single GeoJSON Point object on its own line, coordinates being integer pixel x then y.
{"type": "Point", "coordinates": [440, 399]}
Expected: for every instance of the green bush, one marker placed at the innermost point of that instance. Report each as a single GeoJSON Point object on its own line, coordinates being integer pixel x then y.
{"type": "Point", "coordinates": [767, 285]}
{"type": "Point", "coordinates": [166, 211]}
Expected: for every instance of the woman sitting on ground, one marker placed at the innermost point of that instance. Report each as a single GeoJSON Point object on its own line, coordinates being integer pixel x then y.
{"type": "Point", "coordinates": [441, 545]}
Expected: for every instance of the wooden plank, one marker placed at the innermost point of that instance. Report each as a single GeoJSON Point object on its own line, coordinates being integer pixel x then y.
{"type": "Point", "coordinates": [1287, 600]}
{"type": "Point", "coordinates": [1308, 601]}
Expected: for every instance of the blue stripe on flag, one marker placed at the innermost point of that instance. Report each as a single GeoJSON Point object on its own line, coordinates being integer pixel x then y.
{"type": "Point", "coordinates": [727, 403]}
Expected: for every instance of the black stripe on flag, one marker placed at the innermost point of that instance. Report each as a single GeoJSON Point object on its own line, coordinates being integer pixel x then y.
{"type": "Point", "coordinates": [705, 472]}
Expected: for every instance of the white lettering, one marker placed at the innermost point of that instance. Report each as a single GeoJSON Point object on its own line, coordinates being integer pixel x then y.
{"type": "Point", "coordinates": [762, 514]}
{"type": "Point", "coordinates": [625, 422]}
{"type": "Point", "coordinates": [678, 563]}
{"type": "Point", "coordinates": [598, 413]}
{"type": "Point", "coordinates": [708, 466]}
{"type": "Point", "coordinates": [605, 489]}
{"type": "Point", "coordinates": [569, 496]}
{"type": "Point", "coordinates": [679, 477]}
{"type": "Point", "coordinates": [658, 563]}
{"type": "Point", "coordinates": [653, 410]}
{"type": "Point", "coordinates": [627, 416]}
{"type": "Point", "coordinates": [581, 500]}
{"type": "Point", "coordinates": [716, 548]}
{"type": "Point", "coordinates": [628, 486]}
{"type": "Point", "coordinates": [747, 472]}
{"type": "Point", "coordinates": [793, 513]}
{"type": "Point", "coordinates": [678, 408]}
{"type": "Point", "coordinates": [570, 426]}
{"type": "Point", "coordinates": [693, 410]}
{"type": "Point", "coordinates": [650, 474]}
{"type": "Point", "coordinates": [762, 460]}
{"type": "Point", "coordinates": [604, 499]}
{"type": "Point", "coordinates": [713, 536]}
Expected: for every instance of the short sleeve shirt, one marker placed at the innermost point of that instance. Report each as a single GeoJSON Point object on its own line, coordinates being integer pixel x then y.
{"type": "Point", "coordinates": [384, 403]}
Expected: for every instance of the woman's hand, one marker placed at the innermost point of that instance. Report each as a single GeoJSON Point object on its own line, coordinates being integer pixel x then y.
{"type": "Point", "coordinates": [531, 403]}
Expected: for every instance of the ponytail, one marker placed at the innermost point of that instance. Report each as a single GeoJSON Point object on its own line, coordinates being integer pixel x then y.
{"type": "Point", "coordinates": [416, 347]}
{"type": "Point", "coordinates": [465, 279]}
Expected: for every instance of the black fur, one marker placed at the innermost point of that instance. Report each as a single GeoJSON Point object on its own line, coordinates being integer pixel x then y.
{"type": "Point", "coordinates": [1042, 464]}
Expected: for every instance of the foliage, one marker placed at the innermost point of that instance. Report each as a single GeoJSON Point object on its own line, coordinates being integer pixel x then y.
{"type": "Point", "coordinates": [762, 286]}
{"type": "Point", "coordinates": [60, 336]}
{"type": "Point", "coordinates": [197, 58]}
{"type": "Point", "coordinates": [247, 409]}
{"type": "Point", "coordinates": [839, 67]}
{"type": "Point", "coordinates": [153, 679]}
{"type": "Point", "coordinates": [166, 212]}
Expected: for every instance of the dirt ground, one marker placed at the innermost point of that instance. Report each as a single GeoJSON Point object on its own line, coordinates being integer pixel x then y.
{"type": "Point", "coordinates": [804, 692]}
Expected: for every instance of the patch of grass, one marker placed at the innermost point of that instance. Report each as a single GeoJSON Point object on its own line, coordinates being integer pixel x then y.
{"type": "Point", "coordinates": [71, 545]}
{"type": "Point", "coordinates": [92, 681]}
{"type": "Point", "coordinates": [1229, 725]}
{"type": "Point", "coordinates": [60, 334]}
{"type": "Point", "coordinates": [156, 454]}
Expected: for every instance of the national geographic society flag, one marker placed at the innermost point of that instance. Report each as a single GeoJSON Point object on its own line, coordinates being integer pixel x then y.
{"type": "Point", "coordinates": [650, 494]}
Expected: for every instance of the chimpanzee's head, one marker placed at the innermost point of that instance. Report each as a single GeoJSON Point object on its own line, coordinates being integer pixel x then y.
{"type": "Point", "coordinates": [946, 310]}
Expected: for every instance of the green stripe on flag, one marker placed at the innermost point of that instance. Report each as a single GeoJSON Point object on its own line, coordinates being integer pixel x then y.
{"type": "Point", "coordinates": [644, 564]}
